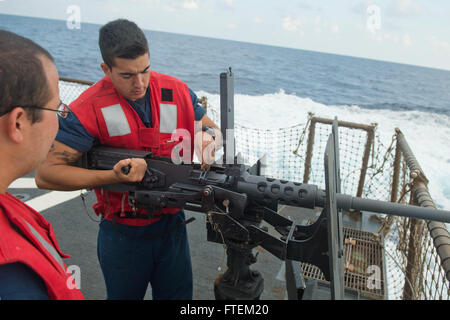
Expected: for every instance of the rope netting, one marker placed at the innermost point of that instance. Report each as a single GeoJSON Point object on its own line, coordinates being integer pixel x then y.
{"type": "Point", "coordinates": [413, 267]}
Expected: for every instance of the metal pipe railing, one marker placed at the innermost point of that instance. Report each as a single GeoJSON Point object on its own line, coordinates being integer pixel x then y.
{"type": "Point", "coordinates": [89, 83]}
{"type": "Point", "coordinates": [438, 231]}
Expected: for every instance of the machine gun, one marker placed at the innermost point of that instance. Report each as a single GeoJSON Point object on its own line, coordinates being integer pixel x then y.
{"type": "Point", "coordinates": [236, 202]}
{"type": "Point", "coordinates": [237, 199]}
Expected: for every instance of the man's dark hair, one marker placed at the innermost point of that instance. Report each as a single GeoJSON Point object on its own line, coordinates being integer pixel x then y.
{"type": "Point", "coordinates": [121, 39]}
{"type": "Point", "coordinates": [23, 82]}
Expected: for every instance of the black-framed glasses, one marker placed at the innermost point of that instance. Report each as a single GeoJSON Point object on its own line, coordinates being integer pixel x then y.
{"type": "Point", "coordinates": [62, 111]}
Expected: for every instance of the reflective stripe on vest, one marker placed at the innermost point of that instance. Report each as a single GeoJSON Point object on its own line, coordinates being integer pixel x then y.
{"type": "Point", "coordinates": [47, 246]}
{"type": "Point", "coordinates": [116, 121]}
{"type": "Point", "coordinates": [167, 118]}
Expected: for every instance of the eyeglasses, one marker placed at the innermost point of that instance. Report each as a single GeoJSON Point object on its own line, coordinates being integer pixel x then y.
{"type": "Point", "coordinates": [62, 111]}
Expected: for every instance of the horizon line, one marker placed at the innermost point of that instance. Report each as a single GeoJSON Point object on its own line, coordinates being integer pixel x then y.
{"type": "Point", "coordinates": [255, 43]}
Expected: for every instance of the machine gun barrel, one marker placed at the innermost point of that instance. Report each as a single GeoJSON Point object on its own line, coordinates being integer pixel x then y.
{"type": "Point", "coordinates": [347, 202]}
{"type": "Point", "coordinates": [310, 196]}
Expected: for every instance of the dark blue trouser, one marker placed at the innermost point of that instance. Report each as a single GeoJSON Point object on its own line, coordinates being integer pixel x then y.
{"type": "Point", "coordinates": [130, 263]}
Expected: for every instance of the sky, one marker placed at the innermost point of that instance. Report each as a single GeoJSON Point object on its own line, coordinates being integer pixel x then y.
{"type": "Point", "coordinates": [414, 32]}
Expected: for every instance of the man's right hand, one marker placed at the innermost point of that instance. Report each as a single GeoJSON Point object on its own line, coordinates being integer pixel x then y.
{"type": "Point", "coordinates": [58, 172]}
{"type": "Point", "coordinates": [138, 167]}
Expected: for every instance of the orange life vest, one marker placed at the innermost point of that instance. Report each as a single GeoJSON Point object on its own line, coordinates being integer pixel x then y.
{"type": "Point", "coordinates": [107, 116]}
{"type": "Point", "coordinates": [26, 237]}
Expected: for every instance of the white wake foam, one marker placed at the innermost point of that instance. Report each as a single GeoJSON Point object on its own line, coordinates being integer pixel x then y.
{"type": "Point", "coordinates": [426, 133]}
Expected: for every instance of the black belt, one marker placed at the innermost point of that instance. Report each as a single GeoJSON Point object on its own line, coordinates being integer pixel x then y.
{"type": "Point", "coordinates": [136, 215]}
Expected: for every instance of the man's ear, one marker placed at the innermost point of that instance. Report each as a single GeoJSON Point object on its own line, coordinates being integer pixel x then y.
{"type": "Point", "coordinates": [18, 122]}
{"type": "Point", "coordinates": [106, 69]}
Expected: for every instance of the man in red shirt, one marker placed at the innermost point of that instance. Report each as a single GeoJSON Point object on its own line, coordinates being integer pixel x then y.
{"type": "Point", "coordinates": [136, 108]}
{"type": "Point", "coordinates": [31, 265]}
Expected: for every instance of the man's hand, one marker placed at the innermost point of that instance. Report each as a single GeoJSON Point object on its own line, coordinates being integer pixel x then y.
{"type": "Point", "coordinates": [205, 145]}
{"type": "Point", "coordinates": [58, 172]}
{"type": "Point", "coordinates": [136, 173]}
{"type": "Point", "coordinates": [205, 148]}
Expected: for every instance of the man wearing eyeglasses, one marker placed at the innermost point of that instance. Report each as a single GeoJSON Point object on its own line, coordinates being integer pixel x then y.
{"type": "Point", "coordinates": [31, 265]}
{"type": "Point", "coordinates": [136, 108]}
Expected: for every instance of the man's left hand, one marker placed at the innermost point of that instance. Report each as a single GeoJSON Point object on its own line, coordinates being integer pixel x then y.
{"type": "Point", "coordinates": [205, 148]}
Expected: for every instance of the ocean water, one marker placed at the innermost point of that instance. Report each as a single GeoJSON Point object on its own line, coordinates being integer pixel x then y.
{"type": "Point", "coordinates": [281, 85]}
